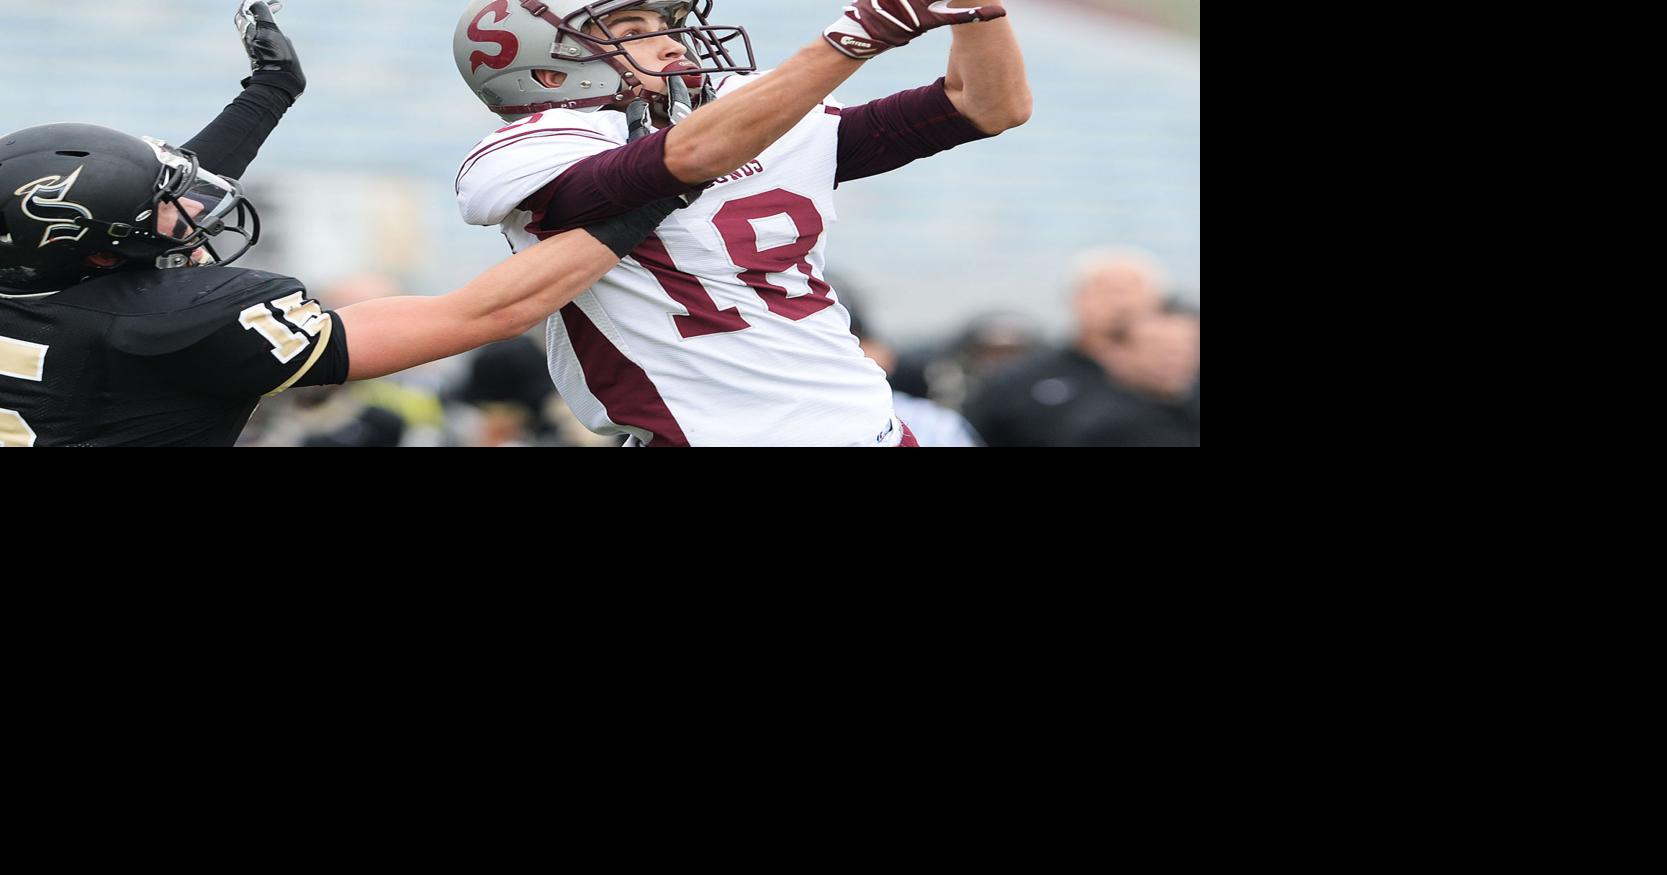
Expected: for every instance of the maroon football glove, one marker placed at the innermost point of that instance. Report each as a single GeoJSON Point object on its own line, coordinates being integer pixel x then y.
{"type": "Point", "coordinates": [870, 27]}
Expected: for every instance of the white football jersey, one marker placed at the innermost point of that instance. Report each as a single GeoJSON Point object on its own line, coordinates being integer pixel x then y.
{"type": "Point", "coordinates": [718, 331]}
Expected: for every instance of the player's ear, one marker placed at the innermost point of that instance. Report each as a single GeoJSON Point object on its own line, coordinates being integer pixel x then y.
{"type": "Point", "coordinates": [550, 78]}
{"type": "Point", "coordinates": [104, 260]}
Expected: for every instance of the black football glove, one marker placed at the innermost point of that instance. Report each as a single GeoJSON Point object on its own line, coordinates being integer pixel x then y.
{"type": "Point", "coordinates": [271, 54]}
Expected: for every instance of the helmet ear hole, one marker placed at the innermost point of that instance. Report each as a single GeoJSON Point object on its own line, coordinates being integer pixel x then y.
{"type": "Point", "coordinates": [551, 79]}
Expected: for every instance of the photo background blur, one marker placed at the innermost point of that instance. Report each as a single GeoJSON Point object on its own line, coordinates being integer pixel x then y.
{"type": "Point", "coordinates": [358, 178]}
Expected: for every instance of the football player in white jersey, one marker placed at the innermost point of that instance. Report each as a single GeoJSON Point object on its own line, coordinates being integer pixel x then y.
{"type": "Point", "coordinates": [719, 330]}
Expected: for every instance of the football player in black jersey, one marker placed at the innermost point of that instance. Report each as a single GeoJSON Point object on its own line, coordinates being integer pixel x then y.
{"type": "Point", "coordinates": [121, 323]}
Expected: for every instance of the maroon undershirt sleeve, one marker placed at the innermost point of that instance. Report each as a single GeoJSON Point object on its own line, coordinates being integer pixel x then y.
{"type": "Point", "coordinates": [885, 134]}
{"type": "Point", "coordinates": [606, 185]}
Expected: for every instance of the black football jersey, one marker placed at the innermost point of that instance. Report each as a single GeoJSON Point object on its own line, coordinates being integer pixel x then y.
{"type": "Point", "coordinates": [159, 357]}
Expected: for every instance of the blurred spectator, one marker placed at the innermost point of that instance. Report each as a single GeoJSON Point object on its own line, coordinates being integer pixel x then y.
{"type": "Point", "coordinates": [948, 375]}
{"type": "Point", "coordinates": [507, 400]}
{"type": "Point", "coordinates": [933, 425]}
{"type": "Point", "coordinates": [1131, 378]}
{"type": "Point", "coordinates": [328, 416]}
{"type": "Point", "coordinates": [506, 387]}
{"type": "Point", "coordinates": [372, 427]}
{"type": "Point", "coordinates": [512, 372]}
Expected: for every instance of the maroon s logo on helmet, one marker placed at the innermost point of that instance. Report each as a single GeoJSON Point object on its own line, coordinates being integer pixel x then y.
{"type": "Point", "coordinates": [508, 45]}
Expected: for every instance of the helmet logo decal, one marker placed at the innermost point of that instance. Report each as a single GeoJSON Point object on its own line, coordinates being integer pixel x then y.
{"type": "Point", "coordinates": [508, 45]}
{"type": "Point", "coordinates": [44, 200]}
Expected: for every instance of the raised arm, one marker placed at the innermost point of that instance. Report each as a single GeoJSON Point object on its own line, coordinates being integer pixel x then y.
{"type": "Point", "coordinates": [724, 135]}
{"type": "Point", "coordinates": [987, 80]}
{"type": "Point", "coordinates": [984, 94]}
{"type": "Point", "coordinates": [720, 137]}
{"type": "Point", "coordinates": [230, 143]}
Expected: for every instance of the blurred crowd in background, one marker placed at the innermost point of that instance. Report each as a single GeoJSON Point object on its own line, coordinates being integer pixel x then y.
{"type": "Point", "coordinates": [1129, 376]}
{"type": "Point", "coordinates": [1041, 289]}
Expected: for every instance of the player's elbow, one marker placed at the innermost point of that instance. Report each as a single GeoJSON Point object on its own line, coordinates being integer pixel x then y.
{"type": "Point", "coordinates": [993, 113]}
{"type": "Point", "coordinates": [1019, 113]}
{"type": "Point", "coordinates": [1011, 113]}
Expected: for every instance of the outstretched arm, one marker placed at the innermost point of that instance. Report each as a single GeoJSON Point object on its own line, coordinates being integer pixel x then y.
{"type": "Point", "coordinates": [389, 335]}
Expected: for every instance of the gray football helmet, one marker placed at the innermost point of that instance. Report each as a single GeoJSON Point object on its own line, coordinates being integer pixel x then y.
{"type": "Point", "coordinates": [500, 43]}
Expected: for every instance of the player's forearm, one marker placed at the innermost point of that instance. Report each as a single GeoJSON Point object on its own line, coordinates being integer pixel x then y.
{"type": "Point", "coordinates": [390, 335]}
{"type": "Point", "coordinates": [517, 294]}
{"type": "Point", "coordinates": [724, 135]}
{"type": "Point", "coordinates": [232, 141]}
{"type": "Point", "coordinates": [987, 80]}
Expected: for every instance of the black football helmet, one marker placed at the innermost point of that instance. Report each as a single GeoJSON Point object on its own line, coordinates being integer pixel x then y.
{"type": "Point", "coordinates": [71, 192]}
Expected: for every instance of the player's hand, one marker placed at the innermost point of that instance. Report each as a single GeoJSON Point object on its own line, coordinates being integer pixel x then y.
{"type": "Point", "coordinates": [870, 27]}
{"type": "Point", "coordinates": [269, 50]}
